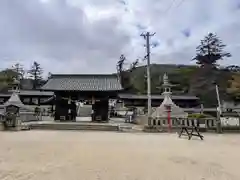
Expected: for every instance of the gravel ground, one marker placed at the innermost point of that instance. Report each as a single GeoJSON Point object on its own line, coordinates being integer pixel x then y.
{"type": "Point", "coordinates": [69, 155]}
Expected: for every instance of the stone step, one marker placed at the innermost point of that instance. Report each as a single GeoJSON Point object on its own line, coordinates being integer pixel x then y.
{"type": "Point", "coordinates": [85, 111]}
{"type": "Point", "coordinates": [74, 126]}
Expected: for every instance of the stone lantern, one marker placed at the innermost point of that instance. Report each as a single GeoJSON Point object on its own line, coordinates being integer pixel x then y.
{"type": "Point", "coordinates": [168, 109]}
{"type": "Point", "coordinates": [12, 119]}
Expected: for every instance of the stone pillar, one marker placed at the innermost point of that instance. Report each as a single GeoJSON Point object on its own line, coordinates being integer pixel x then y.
{"type": "Point", "coordinates": [18, 123]}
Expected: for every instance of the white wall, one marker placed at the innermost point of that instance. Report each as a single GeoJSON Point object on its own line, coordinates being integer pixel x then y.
{"type": "Point", "coordinates": [230, 121]}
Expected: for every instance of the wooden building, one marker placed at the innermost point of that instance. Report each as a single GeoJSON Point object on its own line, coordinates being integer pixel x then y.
{"type": "Point", "coordinates": [30, 97]}
{"type": "Point", "coordinates": [27, 94]}
{"type": "Point", "coordinates": [72, 88]}
{"type": "Point", "coordinates": [183, 101]}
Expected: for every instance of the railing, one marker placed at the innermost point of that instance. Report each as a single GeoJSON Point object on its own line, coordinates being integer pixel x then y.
{"type": "Point", "coordinates": [142, 110]}
{"type": "Point", "coordinates": [29, 116]}
{"type": "Point", "coordinates": [207, 123]}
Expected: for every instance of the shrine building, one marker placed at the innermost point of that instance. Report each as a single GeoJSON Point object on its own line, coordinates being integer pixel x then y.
{"type": "Point", "coordinates": [72, 88]}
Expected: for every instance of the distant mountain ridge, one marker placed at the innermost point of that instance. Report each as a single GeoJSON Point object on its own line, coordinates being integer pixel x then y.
{"type": "Point", "coordinates": [189, 79]}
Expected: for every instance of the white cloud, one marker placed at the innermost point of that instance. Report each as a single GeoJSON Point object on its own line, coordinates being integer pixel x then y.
{"type": "Point", "coordinates": [71, 36]}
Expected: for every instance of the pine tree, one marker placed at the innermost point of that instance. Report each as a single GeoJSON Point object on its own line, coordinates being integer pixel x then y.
{"type": "Point", "coordinates": [18, 68]}
{"type": "Point", "coordinates": [134, 65]}
{"type": "Point", "coordinates": [210, 50]}
{"type": "Point", "coordinates": [36, 72]}
{"type": "Point", "coordinates": [120, 64]}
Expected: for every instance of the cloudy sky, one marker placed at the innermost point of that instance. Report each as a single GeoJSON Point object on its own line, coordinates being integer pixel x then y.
{"type": "Point", "coordinates": [88, 36]}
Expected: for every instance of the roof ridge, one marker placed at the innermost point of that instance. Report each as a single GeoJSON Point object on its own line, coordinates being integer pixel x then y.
{"type": "Point", "coordinates": [84, 75]}
{"type": "Point", "coordinates": [83, 82]}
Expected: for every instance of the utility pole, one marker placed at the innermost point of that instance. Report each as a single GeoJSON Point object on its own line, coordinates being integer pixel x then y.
{"type": "Point", "coordinates": [219, 110]}
{"type": "Point", "coordinates": [147, 36]}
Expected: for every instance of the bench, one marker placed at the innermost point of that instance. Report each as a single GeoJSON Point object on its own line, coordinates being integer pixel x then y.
{"type": "Point", "coordinates": [190, 131]}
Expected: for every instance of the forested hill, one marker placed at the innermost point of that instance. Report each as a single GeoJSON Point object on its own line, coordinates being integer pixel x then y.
{"type": "Point", "coordinates": [197, 80]}
{"type": "Point", "coordinates": [188, 80]}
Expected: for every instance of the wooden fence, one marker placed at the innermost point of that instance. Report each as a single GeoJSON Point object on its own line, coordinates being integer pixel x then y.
{"type": "Point", "coordinates": [205, 124]}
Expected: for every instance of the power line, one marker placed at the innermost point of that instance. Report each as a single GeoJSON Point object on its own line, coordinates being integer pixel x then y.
{"type": "Point", "coordinates": [180, 3]}
{"type": "Point", "coordinates": [172, 5]}
{"type": "Point", "coordinates": [147, 36]}
{"type": "Point", "coordinates": [165, 12]}
{"type": "Point", "coordinates": [169, 7]}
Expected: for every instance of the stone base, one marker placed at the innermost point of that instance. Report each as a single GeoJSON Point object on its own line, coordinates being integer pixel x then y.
{"type": "Point", "coordinates": [141, 120]}
{"type": "Point", "coordinates": [1, 127]}
{"type": "Point", "coordinates": [18, 128]}
{"type": "Point", "coordinates": [73, 126]}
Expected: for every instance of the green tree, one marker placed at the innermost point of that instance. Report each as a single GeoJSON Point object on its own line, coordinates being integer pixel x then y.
{"type": "Point", "coordinates": [18, 68]}
{"type": "Point", "coordinates": [125, 73]}
{"type": "Point", "coordinates": [210, 50]}
{"type": "Point", "coordinates": [36, 72]}
{"type": "Point", "coordinates": [182, 77]}
{"type": "Point", "coordinates": [7, 76]}
{"type": "Point", "coordinates": [234, 88]}
{"type": "Point", "coordinates": [134, 65]}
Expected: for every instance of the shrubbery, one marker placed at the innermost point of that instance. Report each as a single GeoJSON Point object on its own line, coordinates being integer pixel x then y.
{"type": "Point", "coordinates": [198, 116]}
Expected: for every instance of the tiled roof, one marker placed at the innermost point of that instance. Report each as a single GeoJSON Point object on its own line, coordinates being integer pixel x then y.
{"type": "Point", "coordinates": [29, 93]}
{"type": "Point", "coordinates": [35, 93]}
{"type": "Point", "coordinates": [26, 84]}
{"type": "Point", "coordinates": [14, 100]}
{"type": "Point", "coordinates": [83, 82]}
{"type": "Point", "coordinates": [174, 97]}
{"type": "Point", "coordinates": [4, 95]}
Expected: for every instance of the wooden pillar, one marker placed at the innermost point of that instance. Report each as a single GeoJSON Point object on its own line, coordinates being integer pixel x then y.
{"type": "Point", "coordinates": [30, 101]}
{"type": "Point", "coordinates": [69, 114]}
{"type": "Point", "coordinates": [93, 114]}
{"type": "Point", "coordinates": [56, 109]}
{"type": "Point", "coordinates": [61, 110]}
{"type": "Point", "coordinates": [168, 109]}
{"type": "Point", "coordinates": [38, 99]}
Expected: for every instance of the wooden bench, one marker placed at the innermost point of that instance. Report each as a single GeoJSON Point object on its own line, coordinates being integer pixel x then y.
{"type": "Point", "coordinates": [189, 131]}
